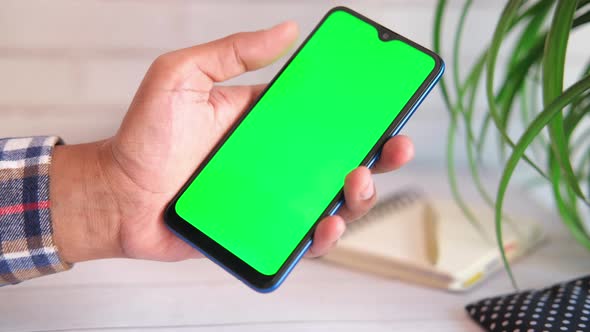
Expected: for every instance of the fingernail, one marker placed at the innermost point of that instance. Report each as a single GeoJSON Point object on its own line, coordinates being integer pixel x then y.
{"type": "Point", "coordinates": [278, 25]}
{"type": "Point", "coordinates": [368, 192]}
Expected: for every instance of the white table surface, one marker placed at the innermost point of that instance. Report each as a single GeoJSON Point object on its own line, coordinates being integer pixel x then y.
{"type": "Point", "coordinates": [124, 295]}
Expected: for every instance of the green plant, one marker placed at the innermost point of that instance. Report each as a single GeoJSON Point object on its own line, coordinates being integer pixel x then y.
{"type": "Point", "coordinates": [554, 132]}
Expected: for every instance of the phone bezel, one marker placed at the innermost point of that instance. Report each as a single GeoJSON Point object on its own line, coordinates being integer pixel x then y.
{"type": "Point", "coordinates": [231, 262]}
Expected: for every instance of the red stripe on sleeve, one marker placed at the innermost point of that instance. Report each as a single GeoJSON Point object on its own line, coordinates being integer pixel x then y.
{"type": "Point", "coordinates": [23, 207]}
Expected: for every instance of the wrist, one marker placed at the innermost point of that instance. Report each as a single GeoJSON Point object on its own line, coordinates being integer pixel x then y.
{"type": "Point", "coordinates": [84, 212]}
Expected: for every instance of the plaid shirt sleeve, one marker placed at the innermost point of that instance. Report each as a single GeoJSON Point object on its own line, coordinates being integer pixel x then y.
{"type": "Point", "coordinates": [26, 235]}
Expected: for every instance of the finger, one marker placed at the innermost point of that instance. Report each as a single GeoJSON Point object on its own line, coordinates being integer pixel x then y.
{"type": "Point", "coordinates": [326, 235]}
{"type": "Point", "coordinates": [395, 153]}
{"type": "Point", "coordinates": [359, 194]}
{"type": "Point", "coordinates": [231, 56]}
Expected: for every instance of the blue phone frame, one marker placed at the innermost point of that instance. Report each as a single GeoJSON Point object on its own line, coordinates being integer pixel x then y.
{"type": "Point", "coordinates": [301, 249]}
{"type": "Point", "coordinates": [334, 210]}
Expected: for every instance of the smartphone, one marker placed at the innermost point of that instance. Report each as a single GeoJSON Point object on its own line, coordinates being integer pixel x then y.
{"type": "Point", "coordinates": [253, 204]}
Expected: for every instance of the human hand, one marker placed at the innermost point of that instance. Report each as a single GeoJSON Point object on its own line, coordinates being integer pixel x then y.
{"type": "Point", "coordinates": [108, 197]}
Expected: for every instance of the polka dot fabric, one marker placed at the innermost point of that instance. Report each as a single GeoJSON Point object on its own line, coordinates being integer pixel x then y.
{"type": "Point", "coordinates": [562, 307]}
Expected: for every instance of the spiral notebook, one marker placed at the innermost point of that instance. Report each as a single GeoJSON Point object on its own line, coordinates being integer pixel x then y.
{"type": "Point", "coordinates": [410, 237]}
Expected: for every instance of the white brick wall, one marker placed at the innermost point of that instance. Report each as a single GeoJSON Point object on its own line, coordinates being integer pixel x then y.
{"type": "Point", "coordinates": [91, 24]}
{"type": "Point", "coordinates": [71, 67]}
{"type": "Point", "coordinates": [36, 80]}
{"type": "Point", "coordinates": [112, 80]}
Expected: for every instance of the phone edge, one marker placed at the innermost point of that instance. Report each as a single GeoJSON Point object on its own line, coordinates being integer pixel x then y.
{"type": "Point", "coordinates": [334, 210]}
{"type": "Point", "coordinates": [335, 205]}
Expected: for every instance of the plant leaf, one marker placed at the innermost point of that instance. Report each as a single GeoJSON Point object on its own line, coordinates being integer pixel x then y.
{"type": "Point", "coordinates": [509, 13]}
{"type": "Point", "coordinates": [438, 19]}
{"type": "Point", "coordinates": [553, 75]}
{"type": "Point", "coordinates": [453, 112]}
{"type": "Point", "coordinates": [542, 119]}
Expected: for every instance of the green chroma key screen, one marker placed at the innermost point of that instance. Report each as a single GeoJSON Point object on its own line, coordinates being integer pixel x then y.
{"type": "Point", "coordinates": [279, 170]}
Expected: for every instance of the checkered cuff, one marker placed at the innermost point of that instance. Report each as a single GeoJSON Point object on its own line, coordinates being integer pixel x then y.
{"type": "Point", "coordinates": [26, 235]}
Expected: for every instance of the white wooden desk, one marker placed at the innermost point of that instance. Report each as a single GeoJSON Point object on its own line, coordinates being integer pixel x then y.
{"type": "Point", "coordinates": [124, 295]}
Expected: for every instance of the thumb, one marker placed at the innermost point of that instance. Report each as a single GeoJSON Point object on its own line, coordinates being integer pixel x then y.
{"type": "Point", "coordinates": [228, 57]}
